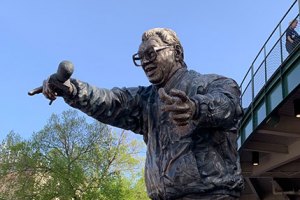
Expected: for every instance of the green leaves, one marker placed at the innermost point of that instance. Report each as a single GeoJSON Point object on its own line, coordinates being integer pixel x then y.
{"type": "Point", "coordinates": [71, 159]}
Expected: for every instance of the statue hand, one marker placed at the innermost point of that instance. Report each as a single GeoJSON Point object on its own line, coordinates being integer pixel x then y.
{"type": "Point", "coordinates": [58, 84]}
{"type": "Point", "coordinates": [180, 106]}
{"type": "Point", "coordinates": [52, 88]}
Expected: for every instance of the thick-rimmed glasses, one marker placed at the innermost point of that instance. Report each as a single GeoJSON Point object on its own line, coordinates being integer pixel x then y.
{"type": "Point", "coordinates": [148, 56]}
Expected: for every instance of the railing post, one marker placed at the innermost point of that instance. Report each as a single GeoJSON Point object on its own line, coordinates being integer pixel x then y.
{"type": "Point", "coordinates": [298, 6]}
{"type": "Point", "coordinates": [265, 59]}
{"type": "Point", "coordinates": [280, 38]}
{"type": "Point", "coordinates": [252, 83]}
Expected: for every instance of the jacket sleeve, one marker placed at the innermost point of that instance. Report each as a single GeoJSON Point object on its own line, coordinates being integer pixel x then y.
{"type": "Point", "coordinates": [219, 105]}
{"type": "Point", "coordinates": [117, 107]}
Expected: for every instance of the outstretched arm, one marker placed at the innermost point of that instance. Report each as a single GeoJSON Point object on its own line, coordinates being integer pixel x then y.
{"type": "Point", "coordinates": [119, 107]}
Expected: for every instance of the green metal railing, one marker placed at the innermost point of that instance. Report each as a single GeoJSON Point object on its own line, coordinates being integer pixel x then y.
{"type": "Point", "coordinates": [269, 59]}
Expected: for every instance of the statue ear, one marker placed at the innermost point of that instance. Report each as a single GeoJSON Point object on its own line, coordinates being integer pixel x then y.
{"type": "Point", "coordinates": [178, 53]}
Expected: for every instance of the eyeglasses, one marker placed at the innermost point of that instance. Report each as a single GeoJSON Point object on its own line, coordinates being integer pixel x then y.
{"type": "Point", "coordinates": [148, 56]}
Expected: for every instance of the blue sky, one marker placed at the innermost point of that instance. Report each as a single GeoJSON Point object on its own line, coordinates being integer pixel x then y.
{"type": "Point", "coordinates": [99, 37]}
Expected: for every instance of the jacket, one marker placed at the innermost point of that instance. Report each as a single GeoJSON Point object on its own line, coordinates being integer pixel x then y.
{"type": "Point", "coordinates": [199, 158]}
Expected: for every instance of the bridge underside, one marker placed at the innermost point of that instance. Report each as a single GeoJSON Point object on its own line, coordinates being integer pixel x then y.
{"type": "Point", "coordinates": [277, 141]}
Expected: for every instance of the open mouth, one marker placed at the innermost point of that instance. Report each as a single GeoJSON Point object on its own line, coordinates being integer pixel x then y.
{"type": "Point", "coordinates": [150, 70]}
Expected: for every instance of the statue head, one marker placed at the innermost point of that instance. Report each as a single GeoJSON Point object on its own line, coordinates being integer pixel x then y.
{"type": "Point", "coordinates": [160, 55]}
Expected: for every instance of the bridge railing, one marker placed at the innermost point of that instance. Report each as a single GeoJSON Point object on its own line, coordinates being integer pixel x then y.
{"type": "Point", "coordinates": [270, 57]}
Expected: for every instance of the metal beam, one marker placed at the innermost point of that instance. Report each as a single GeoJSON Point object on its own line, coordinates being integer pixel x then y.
{"type": "Point", "coordinates": [266, 147]}
{"type": "Point", "coordinates": [290, 170]}
{"type": "Point", "coordinates": [278, 133]}
{"type": "Point", "coordinates": [276, 185]}
{"type": "Point", "coordinates": [275, 160]}
{"type": "Point", "coordinates": [288, 123]}
{"type": "Point", "coordinates": [253, 189]}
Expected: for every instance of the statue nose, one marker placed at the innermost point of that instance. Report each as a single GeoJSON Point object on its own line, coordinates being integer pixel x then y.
{"type": "Point", "coordinates": [144, 61]}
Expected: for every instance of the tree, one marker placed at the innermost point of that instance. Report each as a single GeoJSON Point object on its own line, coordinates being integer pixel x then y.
{"type": "Point", "coordinates": [72, 159]}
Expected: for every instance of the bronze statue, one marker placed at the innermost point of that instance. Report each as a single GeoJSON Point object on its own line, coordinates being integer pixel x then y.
{"type": "Point", "coordinates": [188, 120]}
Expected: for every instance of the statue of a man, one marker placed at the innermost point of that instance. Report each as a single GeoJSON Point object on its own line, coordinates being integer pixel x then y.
{"type": "Point", "coordinates": [188, 121]}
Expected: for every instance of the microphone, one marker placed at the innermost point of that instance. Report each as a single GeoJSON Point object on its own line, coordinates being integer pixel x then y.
{"type": "Point", "coordinates": [64, 71]}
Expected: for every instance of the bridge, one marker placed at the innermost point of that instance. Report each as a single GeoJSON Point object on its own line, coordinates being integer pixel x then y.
{"type": "Point", "coordinates": [269, 133]}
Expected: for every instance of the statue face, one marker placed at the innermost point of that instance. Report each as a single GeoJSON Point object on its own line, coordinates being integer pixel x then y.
{"type": "Point", "coordinates": [160, 69]}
